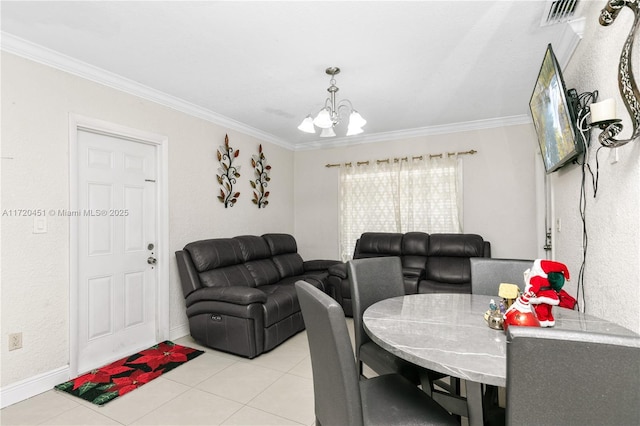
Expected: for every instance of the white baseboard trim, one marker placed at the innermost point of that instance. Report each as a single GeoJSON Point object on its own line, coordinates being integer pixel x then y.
{"type": "Point", "coordinates": [32, 386]}
{"type": "Point", "coordinates": [179, 331]}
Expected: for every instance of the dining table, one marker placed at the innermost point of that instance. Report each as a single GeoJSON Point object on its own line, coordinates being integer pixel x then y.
{"type": "Point", "coordinates": [448, 333]}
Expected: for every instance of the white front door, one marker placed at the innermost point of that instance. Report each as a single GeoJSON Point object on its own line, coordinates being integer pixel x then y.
{"type": "Point", "coordinates": [117, 230]}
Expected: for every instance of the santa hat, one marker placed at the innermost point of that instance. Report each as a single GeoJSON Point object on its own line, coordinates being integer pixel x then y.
{"type": "Point", "coordinates": [547, 273]}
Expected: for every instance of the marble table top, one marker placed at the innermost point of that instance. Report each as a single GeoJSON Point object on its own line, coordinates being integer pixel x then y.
{"type": "Point", "coordinates": [447, 333]}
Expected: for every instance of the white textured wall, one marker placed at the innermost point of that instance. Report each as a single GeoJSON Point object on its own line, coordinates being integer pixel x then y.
{"type": "Point", "coordinates": [612, 269]}
{"type": "Point", "coordinates": [36, 103]}
{"type": "Point", "coordinates": [499, 187]}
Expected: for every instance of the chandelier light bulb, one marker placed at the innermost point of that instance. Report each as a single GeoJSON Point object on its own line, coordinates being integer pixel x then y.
{"type": "Point", "coordinates": [323, 119]}
{"type": "Point", "coordinates": [327, 133]}
{"type": "Point", "coordinates": [307, 125]}
{"type": "Point", "coordinates": [355, 119]}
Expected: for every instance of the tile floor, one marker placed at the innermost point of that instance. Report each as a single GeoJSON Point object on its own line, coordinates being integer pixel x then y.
{"type": "Point", "coordinates": [215, 388]}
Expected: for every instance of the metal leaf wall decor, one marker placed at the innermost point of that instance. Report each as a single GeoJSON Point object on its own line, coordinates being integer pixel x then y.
{"type": "Point", "coordinates": [228, 173]}
{"type": "Point", "coordinates": [259, 185]}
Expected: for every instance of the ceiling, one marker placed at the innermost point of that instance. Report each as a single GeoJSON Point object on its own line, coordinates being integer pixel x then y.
{"type": "Point", "coordinates": [410, 68]}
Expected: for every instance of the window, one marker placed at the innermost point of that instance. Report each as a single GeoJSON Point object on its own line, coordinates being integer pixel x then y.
{"type": "Point", "coordinates": [403, 196]}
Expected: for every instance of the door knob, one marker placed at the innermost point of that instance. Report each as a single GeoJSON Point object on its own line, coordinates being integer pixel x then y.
{"type": "Point", "coordinates": [151, 260]}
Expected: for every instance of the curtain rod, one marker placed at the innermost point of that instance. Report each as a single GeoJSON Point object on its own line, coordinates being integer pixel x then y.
{"type": "Point", "coordinates": [395, 160]}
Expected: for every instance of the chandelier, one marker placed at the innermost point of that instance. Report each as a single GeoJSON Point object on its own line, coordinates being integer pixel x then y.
{"type": "Point", "coordinates": [329, 116]}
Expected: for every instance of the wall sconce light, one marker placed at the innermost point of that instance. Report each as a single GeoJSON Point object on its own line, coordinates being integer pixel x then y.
{"type": "Point", "coordinates": [603, 113]}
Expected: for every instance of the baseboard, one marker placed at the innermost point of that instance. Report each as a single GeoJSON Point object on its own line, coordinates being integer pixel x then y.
{"type": "Point", "coordinates": [179, 331]}
{"type": "Point", "coordinates": [33, 386]}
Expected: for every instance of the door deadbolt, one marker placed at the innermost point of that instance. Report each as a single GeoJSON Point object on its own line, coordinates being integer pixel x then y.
{"type": "Point", "coordinates": [151, 260]}
{"type": "Point", "coordinates": [150, 246]}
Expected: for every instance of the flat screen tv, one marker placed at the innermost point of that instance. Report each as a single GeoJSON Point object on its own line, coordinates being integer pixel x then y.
{"type": "Point", "coordinates": [554, 109]}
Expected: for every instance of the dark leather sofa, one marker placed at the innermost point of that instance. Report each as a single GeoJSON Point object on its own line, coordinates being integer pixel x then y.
{"type": "Point", "coordinates": [436, 263]}
{"type": "Point", "coordinates": [240, 293]}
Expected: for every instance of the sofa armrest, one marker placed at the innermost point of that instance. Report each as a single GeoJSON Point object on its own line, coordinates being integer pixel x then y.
{"type": "Point", "coordinates": [189, 278]}
{"type": "Point", "coordinates": [411, 285]}
{"type": "Point", "coordinates": [486, 252]}
{"type": "Point", "coordinates": [319, 265]}
{"type": "Point", "coordinates": [238, 295]}
{"type": "Point", "coordinates": [339, 270]}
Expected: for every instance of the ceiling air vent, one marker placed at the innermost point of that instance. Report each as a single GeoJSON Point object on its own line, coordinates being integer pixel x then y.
{"type": "Point", "coordinates": [557, 11]}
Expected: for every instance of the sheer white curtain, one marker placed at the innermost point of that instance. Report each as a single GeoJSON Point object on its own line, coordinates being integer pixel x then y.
{"type": "Point", "coordinates": [415, 195]}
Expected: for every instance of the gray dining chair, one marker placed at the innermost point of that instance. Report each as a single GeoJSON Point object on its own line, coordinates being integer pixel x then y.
{"type": "Point", "coordinates": [488, 273]}
{"type": "Point", "coordinates": [565, 377]}
{"type": "Point", "coordinates": [486, 276]}
{"type": "Point", "coordinates": [372, 280]}
{"type": "Point", "coordinates": [341, 398]}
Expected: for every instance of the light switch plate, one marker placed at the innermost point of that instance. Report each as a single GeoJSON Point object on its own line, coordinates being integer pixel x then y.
{"type": "Point", "coordinates": [40, 225]}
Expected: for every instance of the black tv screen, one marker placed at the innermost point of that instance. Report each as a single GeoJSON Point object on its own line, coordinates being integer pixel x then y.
{"type": "Point", "coordinates": [553, 109]}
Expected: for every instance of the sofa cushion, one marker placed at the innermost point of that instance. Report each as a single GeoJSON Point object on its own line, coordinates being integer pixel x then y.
{"type": "Point", "coordinates": [231, 294]}
{"type": "Point", "coordinates": [214, 253]}
{"type": "Point", "coordinates": [449, 254]}
{"type": "Point", "coordinates": [375, 244]}
{"type": "Point", "coordinates": [236, 275]}
{"type": "Point", "coordinates": [289, 265]}
{"type": "Point", "coordinates": [281, 303]}
{"type": "Point", "coordinates": [281, 243]}
{"type": "Point", "coordinates": [284, 253]}
{"type": "Point", "coordinates": [450, 270]}
{"type": "Point", "coordinates": [456, 245]}
{"type": "Point", "coordinates": [253, 247]}
{"type": "Point", "coordinates": [263, 271]}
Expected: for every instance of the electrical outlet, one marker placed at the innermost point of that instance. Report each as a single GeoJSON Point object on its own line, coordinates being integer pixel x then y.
{"type": "Point", "coordinates": [15, 341]}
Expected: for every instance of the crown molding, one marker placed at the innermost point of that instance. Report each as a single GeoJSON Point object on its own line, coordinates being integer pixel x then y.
{"type": "Point", "coordinates": [417, 132]}
{"type": "Point", "coordinates": [54, 59]}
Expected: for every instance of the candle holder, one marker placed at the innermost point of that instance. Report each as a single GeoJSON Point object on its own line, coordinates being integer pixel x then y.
{"type": "Point", "coordinates": [610, 129]}
{"type": "Point", "coordinates": [606, 123]}
{"type": "Point", "coordinates": [626, 82]}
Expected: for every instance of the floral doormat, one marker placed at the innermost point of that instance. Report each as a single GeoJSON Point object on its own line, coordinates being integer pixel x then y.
{"type": "Point", "coordinates": [118, 378]}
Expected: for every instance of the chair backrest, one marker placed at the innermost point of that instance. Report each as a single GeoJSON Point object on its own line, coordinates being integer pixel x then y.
{"type": "Point", "coordinates": [335, 377]}
{"type": "Point", "coordinates": [488, 273]}
{"type": "Point", "coordinates": [570, 377]}
{"type": "Point", "coordinates": [372, 280]}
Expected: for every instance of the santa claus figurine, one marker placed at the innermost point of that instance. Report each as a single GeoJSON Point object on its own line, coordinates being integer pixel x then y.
{"type": "Point", "coordinates": [543, 283]}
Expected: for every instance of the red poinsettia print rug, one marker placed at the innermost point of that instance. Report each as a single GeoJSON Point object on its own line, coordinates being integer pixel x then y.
{"type": "Point", "coordinates": [118, 378]}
